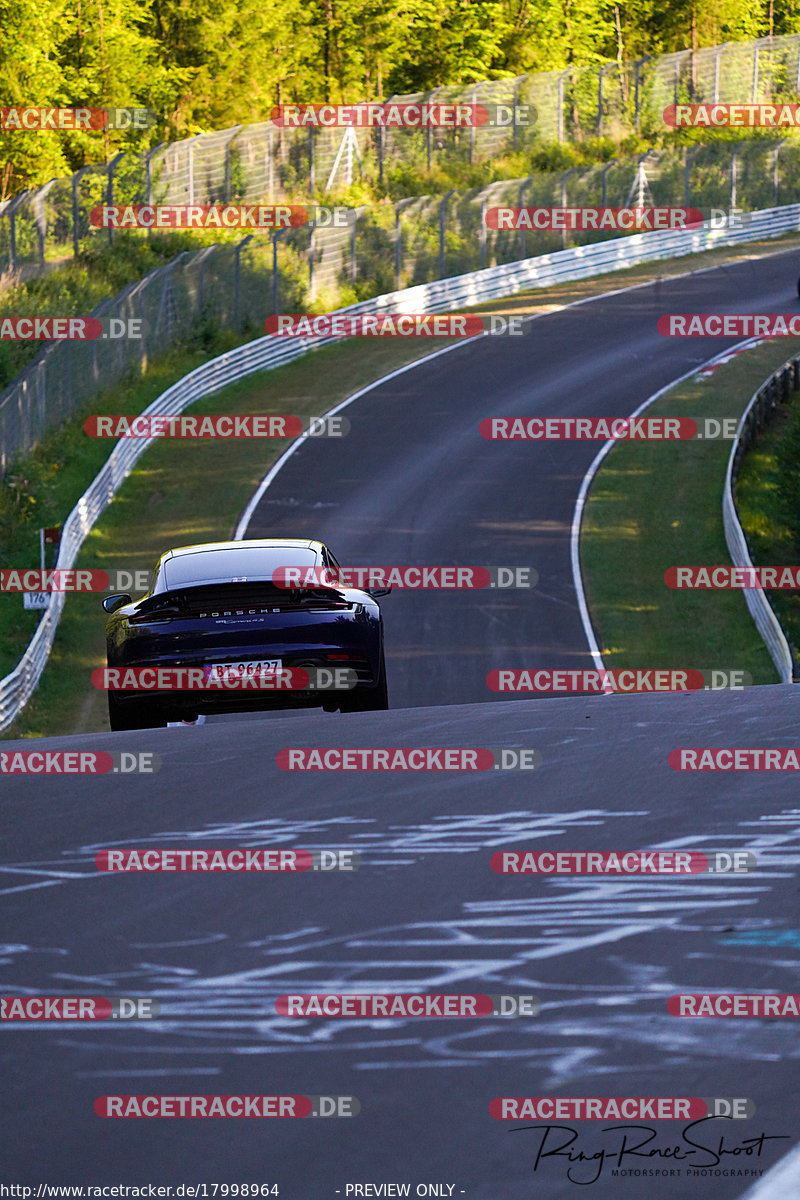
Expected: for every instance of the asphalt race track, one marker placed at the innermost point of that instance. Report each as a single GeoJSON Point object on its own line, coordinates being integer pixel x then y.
{"type": "Point", "coordinates": [424, 911]}
{"type": "Point", "coordinates": [414, 483]}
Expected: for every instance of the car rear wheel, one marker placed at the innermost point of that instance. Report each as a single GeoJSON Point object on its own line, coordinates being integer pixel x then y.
{"type": "Point", "coordinates": [134, 714]}
{"type": "Point", "coordinates": [369, 699]}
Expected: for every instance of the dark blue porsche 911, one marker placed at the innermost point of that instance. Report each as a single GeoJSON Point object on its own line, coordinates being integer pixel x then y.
{"type": "Point", "coordinates": [224, 613]}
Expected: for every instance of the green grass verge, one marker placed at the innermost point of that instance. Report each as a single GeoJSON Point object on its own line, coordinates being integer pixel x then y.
{"type": "Point", "coordinates": [183, 492]}
{"type": "Point", "coordinates": [179, 493]}
{"type": "Point", "coordinates": [654, 505]}
{"type": "Point", "coordinates": [757, 500]}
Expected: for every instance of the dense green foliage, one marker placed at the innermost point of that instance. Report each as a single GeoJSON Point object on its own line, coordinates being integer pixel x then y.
{"type": "Point", "coordinates": [212, 65]}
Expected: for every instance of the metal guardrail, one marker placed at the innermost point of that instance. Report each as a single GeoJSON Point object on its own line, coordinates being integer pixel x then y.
{"type": "Point", "coordinates": [269, 352]}
{"type": "Point", "coordinates": [775, 391]}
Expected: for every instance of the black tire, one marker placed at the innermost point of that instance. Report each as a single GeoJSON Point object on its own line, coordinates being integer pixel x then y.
{"type": "Point", "coordinates": [369, 699]}
{"type": "Point", "coordinates": [134, 714]}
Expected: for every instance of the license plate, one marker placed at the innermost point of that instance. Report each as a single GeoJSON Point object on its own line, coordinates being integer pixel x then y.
{"type": "Point", "coordinates": [243, 670]}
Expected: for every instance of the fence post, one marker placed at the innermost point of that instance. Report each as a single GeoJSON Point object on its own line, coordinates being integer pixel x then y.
{"type": "Point", "coordinates": [600, 76]}
{"type": "Point", "coordinates": [564, 179]}
{"type": "Point", "coordinates": [521, 204]}
{"type": "Point", "coordinates": [276, 234]}
{"type": "Point", "coordinates": [636, 77]}
{"type": "Point", "coordinates": [611, 163]}
{"type": "Point", "coordinates": [237, 280]}
{"type": "Point", "coordinates": [755, 74]}
{"type": "Point", "coordinates": [687, 174]}
{"type": "Point", "coordinates": [775, 155]}
{"type": "Point", "coordinates": [472, 123]}
{"type": "Point", "coordinates": [110, 169]}
{"type": "Point", "coordinates": [482, 232]}
{"type": "Point", "coordinates": [515, 97]}
{"type": "Point", "coordinates": [76, 240]}
{"type": "Point", "coordinates": [353, 235]}
{"type": "Point", "coordinates": [148, 171]}
{"type": "Point", "coordinates": [311, 164]}
{"type": "Point", "coordinates": [12, 227]}
{"type": "Point", "coordinates": [442, 222]}
{"type": "Point", "coordinates": [560, 114]}
{"type": "Point", "coordinates": [735, 150]}
{"type": "Point", "coordinates": [39, 217]}
{"type": "Point", "coordinates": [398, 240]}
{"type": "Point", "coordinates": [429, 132]}
{"type": "Point", "coordinates": [237, 129]}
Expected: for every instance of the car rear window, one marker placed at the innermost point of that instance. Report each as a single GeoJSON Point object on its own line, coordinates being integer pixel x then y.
{"type": "Point", "coordinates": [242, 565]}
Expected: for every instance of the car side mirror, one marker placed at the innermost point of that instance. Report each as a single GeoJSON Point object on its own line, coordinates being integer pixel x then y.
{"type": "Point", "coordinates": [112, 603]}
{"type": "Point", "coordinates": [376, 592]}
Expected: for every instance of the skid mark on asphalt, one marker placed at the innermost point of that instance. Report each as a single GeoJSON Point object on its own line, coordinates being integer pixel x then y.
{"type": "Point", "coordinates": [509, 945]}
{"type": "Point", "coordinates": [461, 833]}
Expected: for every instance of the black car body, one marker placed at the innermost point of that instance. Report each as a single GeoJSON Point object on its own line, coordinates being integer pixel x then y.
{"type": "Point", "coordinates": [214, 604]}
